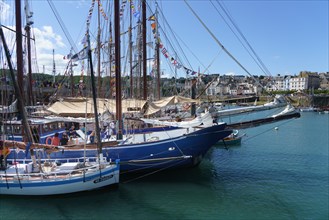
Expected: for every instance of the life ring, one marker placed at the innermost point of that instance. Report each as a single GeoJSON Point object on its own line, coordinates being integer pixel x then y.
{"type": "Point", "coordinates": [49, 139]}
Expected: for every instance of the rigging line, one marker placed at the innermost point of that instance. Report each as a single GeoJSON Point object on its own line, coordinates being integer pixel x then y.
{"type": "Point", "coordinates": [61, 24]}
{"type": "Point", "coordinates": [237, 35]}
{"type": "Point", "coordinates": [32, 38]}
{"type": "Point", "coordinates": [222, 46]}
{"type": "Point", "coordinates": [174, 37]}
{"type": "Point", "coordinates": [267, 72]}
{"type": "Point", "coordinates": [212, 62]}
{"type": "Point", "coordinates": [283, 123]}
{"type": "Point", "coordinates": [206, 68]}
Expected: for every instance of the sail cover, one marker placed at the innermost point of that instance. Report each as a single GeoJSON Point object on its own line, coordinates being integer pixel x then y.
{"type": "Point", "coordinates": [154, 107]}
{"type": "Point", "coordinates": [81, 107]}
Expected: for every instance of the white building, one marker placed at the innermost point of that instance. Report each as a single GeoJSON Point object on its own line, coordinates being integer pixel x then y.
{"type": "Point", "coordinates": [298, 83]}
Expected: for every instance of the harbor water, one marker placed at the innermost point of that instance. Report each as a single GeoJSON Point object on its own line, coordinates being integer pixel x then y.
{"type": "Point", "coordinates": [280, 171]}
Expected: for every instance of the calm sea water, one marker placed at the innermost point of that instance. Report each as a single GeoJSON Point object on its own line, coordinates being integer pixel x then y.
{"type": "Point", "coordinates": [274, 174]}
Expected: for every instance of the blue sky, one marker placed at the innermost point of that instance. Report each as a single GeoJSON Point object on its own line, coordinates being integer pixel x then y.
{"type": "Point", "coordinates": [288, 36]}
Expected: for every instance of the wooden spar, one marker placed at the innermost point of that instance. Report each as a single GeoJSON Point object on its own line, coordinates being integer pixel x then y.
{"type": "Point", "coordinates": [29, 22]}
{"type": "Point", "coordinates": [19, 47]}
{"type": "Point", "coordinates": [29, 57]}
{"type": "Point", "coordinates": [117, 68]}
{"type": "Point", "coordinates": [30, 89]}
{"type": "Point", "coordinates": [144, 49]}
{"type": "Point", "coordinates": [98, 132]}
{"type": "Point", "coordinates": [157, 44]}
{"type": "Point", "coordinates": [99, 86]}
{"type": "Point", "coordinates": [131, 52]}
{"type": "Point", "coordinates": [21, 107]}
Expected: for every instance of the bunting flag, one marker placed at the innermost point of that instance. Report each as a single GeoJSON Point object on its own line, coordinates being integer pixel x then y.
{"type": "Point", "coordinates": [134, 11]}
{"type": "Point", "coordinates": [83, 54]}
{"type": "Point", "coordinates": [123, 5]}
{"type": "Point", "coordinates": [151, 18]}
{"type": "Point", "coordinates": [102, 10]}
{"type": "Point", "coordinates": [165, 52]}
{"type": "Point", "coordinates": [90, 13]}
{"type": "Point", "coordinates": [153, 25]}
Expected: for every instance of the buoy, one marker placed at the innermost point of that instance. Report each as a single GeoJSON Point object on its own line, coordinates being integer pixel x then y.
{"type": "Point", "coordinates": [276, 128]}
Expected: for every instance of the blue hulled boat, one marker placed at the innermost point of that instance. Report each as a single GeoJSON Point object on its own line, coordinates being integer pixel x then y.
{"type": "Point", "coordinates": [181, 151]}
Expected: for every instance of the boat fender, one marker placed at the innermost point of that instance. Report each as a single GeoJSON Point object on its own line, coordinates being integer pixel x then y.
{"type": "Point", "coordinates": [48, 139]}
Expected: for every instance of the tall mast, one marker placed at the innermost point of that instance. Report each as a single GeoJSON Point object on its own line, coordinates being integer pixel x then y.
{"type": "Point", "coordinates": [21, 106]}
{"type": "Point", "coordinates": [117, 68]}
{"type": "Point", "coordinates": [29, 57]}
{"type": "Point", "coordinates": [94, 95]}
{"type": "Point", "coordinates": [131, 53]}
{"type": "Point", "coordinates": [99, 54]}
{"type": "Point", "coordinates": [19, 47]}
{"type": "Point", "coordinates": [144, 49]}
{"type": "Point", "coordinates": [157, 53]}
{"type": "Point", "coordinates": [111, 59]}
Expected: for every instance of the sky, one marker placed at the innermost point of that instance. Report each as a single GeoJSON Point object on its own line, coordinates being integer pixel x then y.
{"type": "Point", "coordinates": [287, 36]}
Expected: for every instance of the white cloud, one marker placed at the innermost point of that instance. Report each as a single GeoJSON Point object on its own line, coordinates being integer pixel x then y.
{"type": "Point", "coordinates": [46, 41]}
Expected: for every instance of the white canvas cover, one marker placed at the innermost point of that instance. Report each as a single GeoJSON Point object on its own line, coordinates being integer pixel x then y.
{"type": "Point", "coordinates": [154, 107]}
{"type": "Point", "coordinates": [81, 107]}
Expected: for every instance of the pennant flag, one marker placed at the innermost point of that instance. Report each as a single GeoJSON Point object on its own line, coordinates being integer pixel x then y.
{"type": "Point", "coordinates": [151, 18]}
{"type": "Point", "coordinates": [165, 52]}
{"type": "Point", "coordinates": [137, 15]}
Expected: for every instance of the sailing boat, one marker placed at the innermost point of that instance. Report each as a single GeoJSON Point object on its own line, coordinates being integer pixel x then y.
{"type": "Point", "coordinates": [180, 151]}
{"type": "Point", "coordinates": [49, 177]}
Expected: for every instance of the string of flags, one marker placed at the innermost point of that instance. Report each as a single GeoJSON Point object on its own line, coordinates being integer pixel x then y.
{"type": "Point", "coordinates": [135, 12]}
{"type": "Point", "coordinates": [123, 4]}
{"type": "Point", "coordinates": [164, 51]}
{"type": "Point", "coordinates": [90, 12]}
{"type": "Point", "coordinates": [102, 10]}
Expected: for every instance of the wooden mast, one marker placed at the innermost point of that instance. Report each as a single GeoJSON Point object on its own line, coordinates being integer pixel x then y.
{"type": "Point", "coordinates": [157, 54]}
{"type": "Point", "coordinates": [94, 95]}
{"type": "Point", "coordinates": [117, 68]}
{"type": "Point", "coordinates": [29, 57]}
{"type": "Point", "coordinates": [18, 91]}
{"type": "Point", "coordinates": [19, 47]}
{"type": "Point", "coordinates": [130, 53]}
{"type": "Point", "coordinates": [144, 49]}
{"type": "Point", "coordinates": [21, 106]}
{"type": "Point", "coordinates": [99, 54]}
